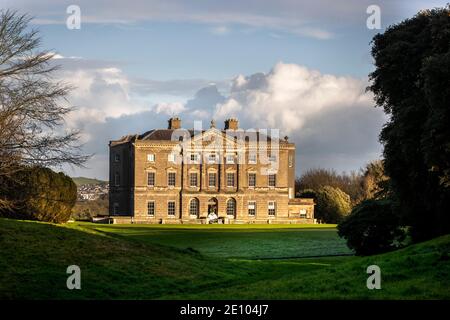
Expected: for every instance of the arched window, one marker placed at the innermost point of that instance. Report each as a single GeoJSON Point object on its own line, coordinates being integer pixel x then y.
{"type": "Point", "coordinates": [194, 207]}
{"type": "Point", "coordinates": [231, 207]}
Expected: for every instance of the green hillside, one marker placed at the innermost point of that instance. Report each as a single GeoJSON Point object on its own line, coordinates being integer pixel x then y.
{"type": "Point", "coordinates": [83, 180]}
{"type": "Point", "coordinates": [34, 258]}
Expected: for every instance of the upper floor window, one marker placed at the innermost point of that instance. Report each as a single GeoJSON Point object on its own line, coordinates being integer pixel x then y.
{"type": "Point", "coordinates": [171, 179]}
{"type": "Point", "coordinates": [230, 158]}
{"type": "Point", "coordinates": [252, 158]}
{"type": "Point", "coordinates": [193, 179]}
{"type": "Point", "coordinates": [271, 208]}
{"type": "Point", "coordinates": [272, 180]}
{"type": "Point", "coordinates": [151, 157]}
{"type": "Point", "coordinates": [151, 208]}
{"type": "Point", "coordinates": [171, 208]}
{"type": "Point", "coordinates": [252, 179]}
{"type": "Point", "coordinates": [116, 157]}
{"type": "Point", "coordinates": [252, 208]}
{"type": "Point", "coordinates": [212, 179]}
{"type": "Point", "coordinates": [171, 157]}
{"type": "Point", "coordinates": [151, 179]}
{"type": "Point", "coordinates": [291, 160]}
{"type": "Point", "coordinates": [212, 158]}
{"type": "Point", "coordinates": [230, 179]}
{"type": "Point", "coordinates": [272, 158]}
{"type": "Point", "coordinates": [116, 179]}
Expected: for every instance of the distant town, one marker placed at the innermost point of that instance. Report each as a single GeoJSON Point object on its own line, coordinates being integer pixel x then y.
{"type": "Point", "coordinates": [91, 192]}
{"type": "Point", "coordinates": [89, 189]}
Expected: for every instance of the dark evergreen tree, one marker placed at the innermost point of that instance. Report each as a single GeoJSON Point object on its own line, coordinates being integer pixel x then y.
{"type": "Point", "coordinates": [412, 83]}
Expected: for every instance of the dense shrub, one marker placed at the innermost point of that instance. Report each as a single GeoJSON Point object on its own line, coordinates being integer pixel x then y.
{"type": "Point", "coordinates": [41, 194]}
{"type": "Point", "coordinates": [332, 204]}
{"type": "Point", "coordinates": [372, 227]}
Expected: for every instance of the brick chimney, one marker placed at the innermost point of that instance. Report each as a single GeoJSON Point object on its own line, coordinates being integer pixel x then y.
{"type": "Point", "coordinates": [232, 124]}
{"type": "Point", "coordinates": [174, 123]}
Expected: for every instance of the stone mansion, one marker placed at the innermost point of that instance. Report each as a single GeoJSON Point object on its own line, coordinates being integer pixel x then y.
{"type": "Point", "coordinates": [178, 175]}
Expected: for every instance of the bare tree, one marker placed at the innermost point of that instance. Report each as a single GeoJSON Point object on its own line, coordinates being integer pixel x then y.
{"type": "Point", "coordinates": [33, 104]}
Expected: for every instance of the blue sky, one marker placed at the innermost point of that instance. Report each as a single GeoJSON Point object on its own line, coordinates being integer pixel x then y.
{"type": "Point", "coordinates": [135, 63]}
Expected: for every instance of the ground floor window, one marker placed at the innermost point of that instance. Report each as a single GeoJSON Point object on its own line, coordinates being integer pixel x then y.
{"type": "Point", "coordinates": [271, 209]}
{"type": "Point", "coordinates": [252, 208]}
{"type": "Point", "coordinates": [194, 207]}
{"type": "Point", "coordinates": [231, 207]}
{"type": "Point", "coordinates": [171, 208]}
{"type": "Point", "coordinates": [151, 208]}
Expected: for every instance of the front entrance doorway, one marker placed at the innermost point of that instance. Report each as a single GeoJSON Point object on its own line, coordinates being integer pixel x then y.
{"type": "Point", "coordinates": [212, 206]}
{"type": "Point", "coordinates": [212, 210]}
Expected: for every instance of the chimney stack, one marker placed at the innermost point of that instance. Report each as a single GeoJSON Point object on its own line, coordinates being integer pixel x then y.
{"type": "Point", "coordinates": [232, 124]}
{"type": "Point", "coordinates": [174, 123]}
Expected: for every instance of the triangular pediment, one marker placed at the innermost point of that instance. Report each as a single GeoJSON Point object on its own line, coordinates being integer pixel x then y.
{"type": "Point", "coordinates": [212, 137]}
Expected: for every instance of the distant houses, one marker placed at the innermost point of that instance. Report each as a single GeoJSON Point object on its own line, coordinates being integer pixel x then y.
{"type": "Point", "coordinates": [91, 192]}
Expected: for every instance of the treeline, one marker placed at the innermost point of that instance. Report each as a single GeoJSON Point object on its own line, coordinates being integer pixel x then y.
{"type": "Point", "coordinates": [336, 194]}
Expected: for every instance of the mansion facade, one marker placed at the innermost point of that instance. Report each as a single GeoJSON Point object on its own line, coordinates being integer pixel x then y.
{"type": "Point", "coordinates": [177, 175]}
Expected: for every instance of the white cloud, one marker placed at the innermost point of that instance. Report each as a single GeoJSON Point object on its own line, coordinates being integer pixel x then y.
{"type": "Point", "coordinates": [170, 109]}
{"type": "Point", "coordinates": [289, 95]}
{"type": "Point", "coordinates": [99, 94]}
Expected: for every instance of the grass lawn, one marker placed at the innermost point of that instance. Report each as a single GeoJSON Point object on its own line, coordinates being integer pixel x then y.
{"type": "Point", "coordinates": [119, 263]}
{"type": "Point", "coordinates": [237, 241]}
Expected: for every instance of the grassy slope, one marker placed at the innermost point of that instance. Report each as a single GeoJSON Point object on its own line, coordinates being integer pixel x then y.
{"type": "Point", "coordinates": [34, 257]}
{"type": "Point", "coordinates": [237, 241]}
{"type": "Point", "coordinates": [82, 180]}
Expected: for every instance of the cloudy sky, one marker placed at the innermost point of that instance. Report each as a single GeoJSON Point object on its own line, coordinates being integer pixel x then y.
{"type": "Point", "coordinates": [296, 65]}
